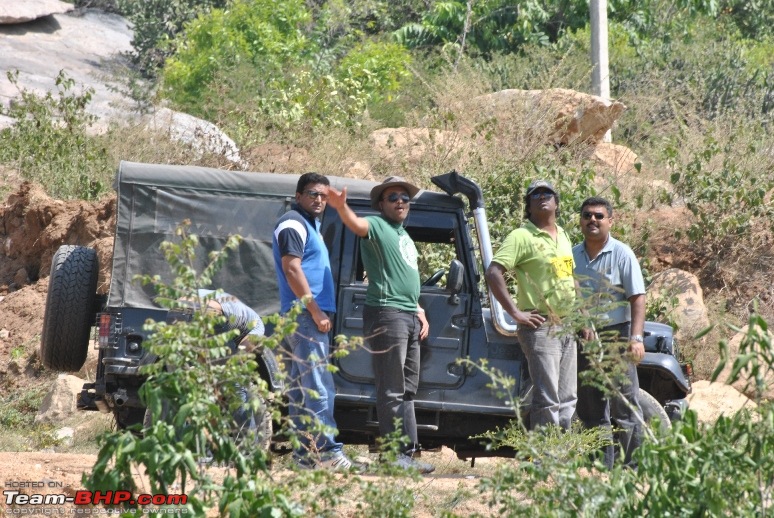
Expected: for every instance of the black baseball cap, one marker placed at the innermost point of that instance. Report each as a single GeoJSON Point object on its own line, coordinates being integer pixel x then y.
{"type": "Point", "coordinates": [540, 184]}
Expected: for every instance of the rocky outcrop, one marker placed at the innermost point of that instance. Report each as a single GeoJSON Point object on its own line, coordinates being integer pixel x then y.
{"type": "Point", "coordinates": [689, 311]}
{"type": "Point", "coordinates": [570, 116]}
{"type": "Point", "coordinates": [16, 11]}
{"type": "Point", "coordinates": [615, 158]}
{"type": "Point", "coordinates": [96, 47]}
{"type": "Point", "coordinates": [87, 48]}
{"type": "Point", "coordinates": [711, 400]}
{"type": "Point", "coordinates": [200, 135]}
{"type": "Point", "coordinates": [60, 402]}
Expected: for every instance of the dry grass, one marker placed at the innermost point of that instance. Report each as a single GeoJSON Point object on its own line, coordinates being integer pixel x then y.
{"type": "Point", "coordinates": [452, 488]}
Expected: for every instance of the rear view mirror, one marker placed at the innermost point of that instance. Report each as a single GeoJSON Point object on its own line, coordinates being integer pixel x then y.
{"type": "Point", "coordinates": [455, 277]}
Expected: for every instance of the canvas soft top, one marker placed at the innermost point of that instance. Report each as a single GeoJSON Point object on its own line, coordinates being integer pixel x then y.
{"type": "Point", "coordinates": [154, 199]}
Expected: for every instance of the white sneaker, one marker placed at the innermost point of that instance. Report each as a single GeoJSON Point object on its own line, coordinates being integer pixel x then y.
{"type": "Point", "coordinates": [405, 461]}
{"type": "Point", "coordinates": [336, 462]}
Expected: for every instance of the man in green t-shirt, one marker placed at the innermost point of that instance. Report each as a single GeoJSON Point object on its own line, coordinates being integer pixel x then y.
{"type": "Point", "coordinates": [539, 254]}
{"type": "Point", "coordinates": [393, 322]}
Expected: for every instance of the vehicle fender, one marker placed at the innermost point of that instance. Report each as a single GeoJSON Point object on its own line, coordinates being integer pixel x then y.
{"type": "Point", "coordinates": [667, 364]}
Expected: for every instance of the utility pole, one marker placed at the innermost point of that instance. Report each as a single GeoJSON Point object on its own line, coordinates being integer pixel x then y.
{"type": "Point", "coordinates": [600, 73]}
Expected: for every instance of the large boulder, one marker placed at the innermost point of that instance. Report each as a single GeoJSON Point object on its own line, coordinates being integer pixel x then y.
{"type": "Point", "coordinates": [711, 400]}
{"type": "Point", "coordinates": [15, 11]}
{"type": "Point", "coordinates": [570, 116]}
{"type": "Point", "coordinates": [615, 158]}
{"type": "Point", "coordinates": [60, 403]}
{"type": "Point", "coordinates": [689, 312]}
{"type": "Point", "coordinates": [202, 136]}
{"type": "Point", "coordinates": [87, 47]}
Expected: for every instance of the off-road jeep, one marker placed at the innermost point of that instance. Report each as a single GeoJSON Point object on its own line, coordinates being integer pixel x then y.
{"type": "Point", "coordinates": [454, 401]}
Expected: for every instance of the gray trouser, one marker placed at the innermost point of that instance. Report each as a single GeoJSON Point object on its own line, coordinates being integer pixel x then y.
{"type": "Point", "coordinates": [392, 336]}
{"type": "Point", "coordinates": [552, 356]}
{"type": "Point", "coordinates": [595, 409]}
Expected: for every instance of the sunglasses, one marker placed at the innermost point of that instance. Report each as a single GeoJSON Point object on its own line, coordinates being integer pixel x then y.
{"type": "Point", "coordinates": [596, 215]}
{"type": "Point", "coordinates": [395, 196]}
{"type": "Point", "coordinates": [315, 194]}
{"type": "Point", "coordinates": [540, 195]}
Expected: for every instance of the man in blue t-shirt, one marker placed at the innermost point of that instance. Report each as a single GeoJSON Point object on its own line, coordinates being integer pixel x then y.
{"type": "Point", "coordinates": [304, 274]}
{"type": "Point", "coordinates": [613, 289]}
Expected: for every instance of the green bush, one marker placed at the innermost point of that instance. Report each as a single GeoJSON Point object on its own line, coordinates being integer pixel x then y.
{"type": "Point", "coordinates": [50, 141]}
{"type": "Point", "coordinates": [189, 426]}
{"type": "Point", "coordinates": [721, 469]}
{"type": "Point", "coordinates": [155, 25]}
{"type": "Point", "coordinates": [727, 201]}
{"type": "Point", "coordinates": [18, 410]}
{"type": "Point", "coordinates": [263, 33]}
{"type": "Point", "coordinates": [754, 18]}
{"type": "Point", "coordinates": [261, 52]}
{"type": "Point", "coordinates": [378, 69]}
{"type": "Point", "coordinates": [190, 398]}
{"type": "Point", "coordinates": [371, 72]}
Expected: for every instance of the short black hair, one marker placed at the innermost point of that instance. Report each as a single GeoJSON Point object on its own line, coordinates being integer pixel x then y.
{"type": "Point", "coordinates": [595, 201]}
{"type": "Point", "coordinates": [310, 179]}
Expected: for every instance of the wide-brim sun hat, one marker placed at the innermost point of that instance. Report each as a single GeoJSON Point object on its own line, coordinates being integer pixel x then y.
{"type": "Point", "coordinates": [392, 181]}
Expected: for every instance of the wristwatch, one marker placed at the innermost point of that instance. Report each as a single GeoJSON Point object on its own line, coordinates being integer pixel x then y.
{"type": "Point", "coordinates": [636, 338]}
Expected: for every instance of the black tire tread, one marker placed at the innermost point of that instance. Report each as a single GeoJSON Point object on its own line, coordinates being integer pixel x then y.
{"type": "Point", "coordinates": [69, 312]}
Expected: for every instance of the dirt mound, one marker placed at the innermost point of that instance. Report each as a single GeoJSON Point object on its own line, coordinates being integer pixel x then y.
{"type": "Point", "coordinates": [32, 227]}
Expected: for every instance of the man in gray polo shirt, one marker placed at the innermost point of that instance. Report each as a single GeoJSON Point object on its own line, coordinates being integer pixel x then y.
{"type": "Point", "coordinates": [611, 283]}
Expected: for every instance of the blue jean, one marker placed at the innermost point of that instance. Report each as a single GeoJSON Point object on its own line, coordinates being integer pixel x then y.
{"type": "Point", "coordinates": [595, 409]}
{"type": "Point", "coordinates": [552, 357]}
{"type": "Point", "coordinates": [392, 336]}
{"type": "Point", "coordinates": [311, 391]}
{"type": "Point", "coordinates": [243, 416]}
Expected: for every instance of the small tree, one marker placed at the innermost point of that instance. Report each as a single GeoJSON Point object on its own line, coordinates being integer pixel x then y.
{"type": "Point", "coordinates": [191, 396]}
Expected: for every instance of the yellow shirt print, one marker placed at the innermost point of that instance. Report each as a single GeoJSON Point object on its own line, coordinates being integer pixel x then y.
{"type": "Point", "coordinates": [563, 266]}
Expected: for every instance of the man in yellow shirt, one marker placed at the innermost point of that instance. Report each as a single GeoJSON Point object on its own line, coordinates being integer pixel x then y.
{"type": "Point", "coordinates": [539, 254]}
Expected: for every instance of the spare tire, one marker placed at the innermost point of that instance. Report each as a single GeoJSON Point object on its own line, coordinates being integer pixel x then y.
{"type": "Point", "coordinates": [70, 311]}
